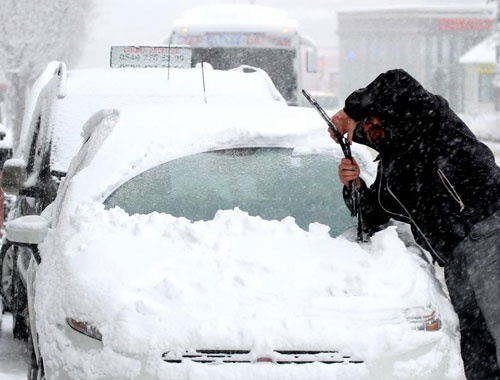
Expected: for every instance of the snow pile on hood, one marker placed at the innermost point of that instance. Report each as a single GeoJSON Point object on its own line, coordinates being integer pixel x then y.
{"type": "Point", "coordinates": [155, 283]}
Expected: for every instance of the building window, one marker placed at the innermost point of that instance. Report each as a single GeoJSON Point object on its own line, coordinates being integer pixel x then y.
{"type": "Point", "coordinates": [486, 88]}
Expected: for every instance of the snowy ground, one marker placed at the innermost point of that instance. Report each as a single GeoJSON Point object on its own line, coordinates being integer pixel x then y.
{"type": "Point", "coordinates": [14, 357]}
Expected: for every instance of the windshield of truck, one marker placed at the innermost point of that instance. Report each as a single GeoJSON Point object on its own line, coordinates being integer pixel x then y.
{"type": "Point", "coordinates": [268, 182]}
{"type": "Point", "coordinates": [277, 63]}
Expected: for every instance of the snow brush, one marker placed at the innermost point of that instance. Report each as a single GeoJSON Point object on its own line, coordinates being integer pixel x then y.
{"type": "Point", "coordinates": [346, 149]}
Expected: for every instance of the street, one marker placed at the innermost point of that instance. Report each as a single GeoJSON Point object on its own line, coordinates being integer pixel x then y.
{"type": "Point", "coordinates": [14, 357]}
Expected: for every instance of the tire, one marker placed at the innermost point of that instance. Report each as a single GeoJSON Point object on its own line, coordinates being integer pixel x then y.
{"type": "Point", "coordinates": [6, 276]}
{"type": "Point", "coordinates": [36, 370]}
{"type": "Point", "coordinates": [19, 309]}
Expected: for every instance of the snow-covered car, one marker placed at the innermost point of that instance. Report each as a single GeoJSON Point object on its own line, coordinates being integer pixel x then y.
{"type": "Point", "coordinates": [207, 249]}
{"type": "Point", "coordinates": [62, 101]}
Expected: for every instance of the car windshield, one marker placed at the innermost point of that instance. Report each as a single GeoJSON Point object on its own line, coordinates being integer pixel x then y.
{"type": "Point", "coordinates": [271, 183]}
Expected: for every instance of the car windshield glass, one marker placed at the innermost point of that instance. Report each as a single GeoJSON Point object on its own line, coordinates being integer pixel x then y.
{"type": "Point", "coordinates": [267, 182]}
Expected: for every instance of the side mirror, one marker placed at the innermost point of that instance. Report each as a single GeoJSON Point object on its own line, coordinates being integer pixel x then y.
{"type": "Point", "coordinates": [311, 61]}
{"type": "Point", "coordinates": [29, 229]}
{"type": "Point", "coordinates": [13, 175]}
{"type": "Point", "coordinates": [5, 154]}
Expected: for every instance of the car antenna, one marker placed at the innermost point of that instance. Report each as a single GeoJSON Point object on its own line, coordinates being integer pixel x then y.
{"type": "Point", "coordinates": [203, 77]}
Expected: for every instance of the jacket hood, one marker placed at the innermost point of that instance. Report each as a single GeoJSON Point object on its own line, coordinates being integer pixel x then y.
{"type": "Point", "coordinates": [410, 114]}
{"type": "Point", "coordinates": [407, 128]}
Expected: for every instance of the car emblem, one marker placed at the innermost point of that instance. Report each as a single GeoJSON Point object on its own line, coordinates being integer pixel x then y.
{"type": "Point", "coordinates": [264, 359]}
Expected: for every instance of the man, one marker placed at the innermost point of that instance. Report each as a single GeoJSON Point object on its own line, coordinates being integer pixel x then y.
{"type": "Point", "coordinates": [434, 174]}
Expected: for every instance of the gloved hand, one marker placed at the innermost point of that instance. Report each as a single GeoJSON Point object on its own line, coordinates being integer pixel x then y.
{"type": "Point", "coordinates": [349, 171]}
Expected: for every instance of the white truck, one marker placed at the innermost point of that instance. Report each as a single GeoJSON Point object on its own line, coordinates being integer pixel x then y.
{"type": "Point", "coordinates": [231, 35]}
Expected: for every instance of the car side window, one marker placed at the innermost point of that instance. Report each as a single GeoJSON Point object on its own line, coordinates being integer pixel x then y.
{"type": "Point", "coordinates": [33, 146]}
{"type": "Point", "coordinates": [46, 186]}
{"type": "Point", "coordinates": [41, 148]}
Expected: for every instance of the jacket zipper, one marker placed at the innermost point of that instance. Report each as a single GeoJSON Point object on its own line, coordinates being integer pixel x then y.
{"type": "Point", "coordinates": [447, 184]}
{"type": "Point", "coordinates": [409, 217]}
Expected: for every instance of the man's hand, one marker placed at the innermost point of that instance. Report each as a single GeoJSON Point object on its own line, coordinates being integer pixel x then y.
{"type": "Point", "coordinates": [349, 171]}
{"type": "Point", "coordinates": [344, 124]}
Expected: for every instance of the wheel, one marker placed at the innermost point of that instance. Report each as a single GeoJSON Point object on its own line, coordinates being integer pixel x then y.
{"type": "Point", "coordinates": [36, 370]}
{"type": "Point", "coordinates": [19, 308]}
{"type": "Point", "coordinates": [7, 268]}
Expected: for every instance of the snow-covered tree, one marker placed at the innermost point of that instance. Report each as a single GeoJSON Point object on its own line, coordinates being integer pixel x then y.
{"type": "Point", "coordinates": [33, 33]}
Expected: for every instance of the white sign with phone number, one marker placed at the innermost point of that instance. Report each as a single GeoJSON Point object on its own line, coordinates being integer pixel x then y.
{"type": "Point", "coordinates": [151, 56]}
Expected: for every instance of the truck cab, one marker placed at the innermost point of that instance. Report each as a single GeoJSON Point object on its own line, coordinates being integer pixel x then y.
{"type": "Point", "coordinates": [231, 35]}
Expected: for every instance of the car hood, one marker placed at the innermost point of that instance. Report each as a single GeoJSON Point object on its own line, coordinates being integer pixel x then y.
{"type": "Point", "coordinates": [164, 283]}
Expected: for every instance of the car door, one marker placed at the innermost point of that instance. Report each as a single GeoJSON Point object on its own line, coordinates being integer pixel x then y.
{"type": "Point", "coordinates": [13, 261]}
{"type": "Point", "coordinates": [39, 190]}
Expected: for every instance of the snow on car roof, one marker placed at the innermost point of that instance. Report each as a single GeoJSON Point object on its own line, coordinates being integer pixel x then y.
{"type": "Point", "coordinates": [88, 91]}
{"type": "Point", "coordinates": [237, 17]}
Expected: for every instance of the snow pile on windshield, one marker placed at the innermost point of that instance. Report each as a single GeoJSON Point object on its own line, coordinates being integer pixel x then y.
{"type": "Point", "coordinates": [155, 283]}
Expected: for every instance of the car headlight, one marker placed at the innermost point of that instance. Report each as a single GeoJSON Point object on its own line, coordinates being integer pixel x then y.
{"type": "Point", "coordinates": [423, 318]}
{"type": "Point", "coordinates": [84, 328]}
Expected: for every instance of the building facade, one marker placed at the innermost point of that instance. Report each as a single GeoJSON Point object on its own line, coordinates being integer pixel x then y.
{"type": "Point", "coordinates": [481, 95]}
{"type": "Point", "coordinates": [426, 41]}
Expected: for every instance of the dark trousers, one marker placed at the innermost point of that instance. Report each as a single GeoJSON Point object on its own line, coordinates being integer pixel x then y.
{"type": "Point", "coordinates": [473, 279]}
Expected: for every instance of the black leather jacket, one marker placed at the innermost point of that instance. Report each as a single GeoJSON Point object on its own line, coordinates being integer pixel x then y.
{"type": "Point", "coordinates": [433, 172]}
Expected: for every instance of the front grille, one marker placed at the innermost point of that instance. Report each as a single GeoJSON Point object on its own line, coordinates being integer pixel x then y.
{"type": "Point", "coordinates": [247, 356]}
